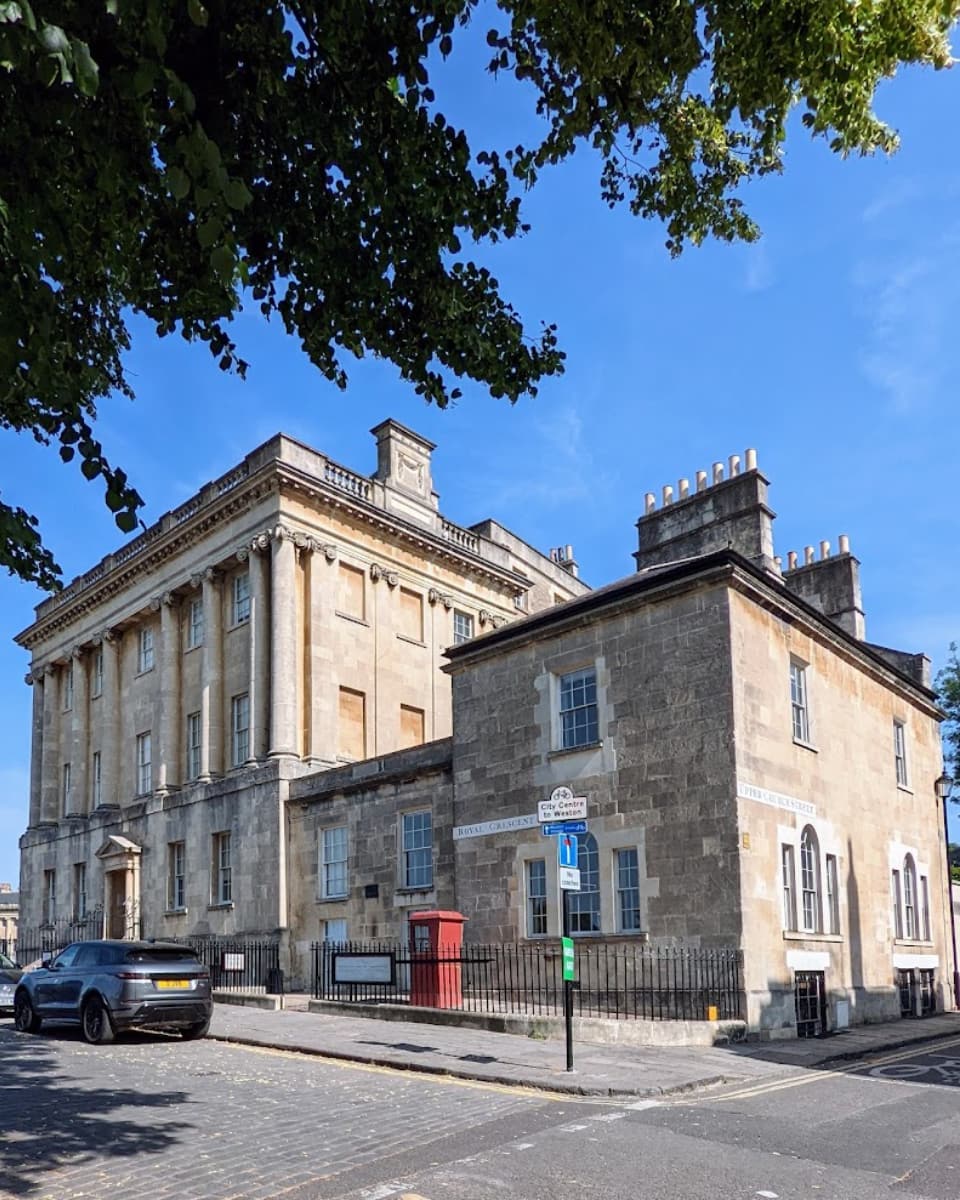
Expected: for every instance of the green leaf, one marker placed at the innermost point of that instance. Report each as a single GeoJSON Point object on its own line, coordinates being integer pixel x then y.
{"type": "Point", "coordinates": [88, 73]}
{"type": "Point", "coordinates": [127, 521]}
{"type": "Point", "coordinates": [236, 194]}
{"type": "Point", "coordinates": [178, 182]}
{"type": "Point", "coordinates": [198, 14]}
{"type": "Point", "coordinates": [209, 231]}
{"type": "Point", "coordinates": [222, 260]}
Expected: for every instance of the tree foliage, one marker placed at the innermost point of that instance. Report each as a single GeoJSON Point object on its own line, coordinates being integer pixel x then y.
{"type": "Point", "coordinates": [177, 158]}
{"type": "Point", "coordinates": [948, 696]}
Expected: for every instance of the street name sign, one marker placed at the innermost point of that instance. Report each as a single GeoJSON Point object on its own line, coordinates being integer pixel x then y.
{"type": "Point", "coordinates": [555, 827]}
{"type": "Point", "coordinates": [569, 879]}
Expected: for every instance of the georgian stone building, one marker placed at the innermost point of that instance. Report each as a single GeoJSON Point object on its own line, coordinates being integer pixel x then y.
{"type": "Point", "coordinates": [289, 617]}
{"type": "Point", "coordinates": [757, 775]}
{"type": "Point", "coordinates": [305, 703]}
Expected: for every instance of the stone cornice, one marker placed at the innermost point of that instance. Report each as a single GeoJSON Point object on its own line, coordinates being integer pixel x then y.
{"type": "Point", "coordinates": [234, 493]}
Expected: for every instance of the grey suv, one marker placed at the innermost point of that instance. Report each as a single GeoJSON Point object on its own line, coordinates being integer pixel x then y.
{"type": "Point", "coordinates": [112, 986]}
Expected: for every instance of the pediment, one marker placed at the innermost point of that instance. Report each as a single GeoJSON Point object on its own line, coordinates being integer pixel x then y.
{"type": "Point", "coordinates": [117, 846]}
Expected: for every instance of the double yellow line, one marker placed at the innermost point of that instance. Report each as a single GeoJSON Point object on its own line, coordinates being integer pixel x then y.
{"type": "Point", "coordinates": [812, 1075]}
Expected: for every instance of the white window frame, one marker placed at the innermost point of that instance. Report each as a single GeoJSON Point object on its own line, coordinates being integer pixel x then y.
{"type": "Point", "coordinates": [144, 763]}
{"type": "Point", "coordinates": [811, 882]}
{"type": "Point", "coordinates": [240, 728]}
{"type": "Point", "coordinates": [334, 857]}
{"type": "Point", "coordinates": [96, 683]}
{"type": "Point", "coordinates": [576, 734]}
{"type": "Point", "coordinates": [788, 874]}
{"type": "Point", "coordinates": [49, 896]}
{"type": "Point", "coordinates": [335, 925]}
{"type": "Point", "coordinates": [535, 892]}
{"type": "Point", "coordinates": [623, 888]}
{"type": "Point", "coordinates": [195, 623]}
{"type": "Point", "coordinates": [463, 626]}
{"type": "Point", "coordinates": [67, 785]}
{"type": "Point", "coordinates": [96, 780]}
{"type": "Point", "coordinates": [68, 687]}
{"type": "Point", "coordinates": [832, 893]}
{"type": "Point", "coordinates": [800, 701]}
{"type": "Point", "coordinates": [897, 898]}
{"type": "Point", "coordinates": [416, 846]}
{"type": "Point", "coordinates": [911, 924]}
{"type": "Point", "coordinates": [222, 882]}
{"type": "Point", "coordinates": [901, 765]}
{"type": "Point", "coordinates": [145, 650]}
{"type": "Point", "coordinates": [240, 594]}
{"type": "Point", "coordinates": [194, 745]}
{"type": "Point", "coordinates": [925, 908]}
{"type": "Point", "coordinates": [176, 876]}
{"type": "Point", "coordinates": [79, 891]}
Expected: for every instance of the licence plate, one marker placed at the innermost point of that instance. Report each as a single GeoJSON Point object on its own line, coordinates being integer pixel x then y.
{"type": "Point", "coordinates": [165, 984]}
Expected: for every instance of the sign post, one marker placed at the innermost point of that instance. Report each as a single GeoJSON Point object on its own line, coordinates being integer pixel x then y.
{"type": "Point", "coordinates": [564, 816]}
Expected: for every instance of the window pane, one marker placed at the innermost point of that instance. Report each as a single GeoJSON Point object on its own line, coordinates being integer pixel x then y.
{"type": "Point", "coordinates": [241, 598]}
{"type": "Point", "coordinates": [418, 849]}
{"type": "Point", "coordinates": [536, 897]}
{"type": "Point", "coordinates": [798, 700]}
{"type": "Point", "coordinates": [789, 904]}
{"type": "Point", "coordinates": [333, 879]}
{"type": "Point", "coordinates": [584, 906]}
{"type": "Point", "coordinates": [810, 880]}
{"type": "Point", "coordinates": [628, 891]}
{"type": "Point", "coordinates": [578, 709]}
{"type": "Point", "coordinates": [462, 627]}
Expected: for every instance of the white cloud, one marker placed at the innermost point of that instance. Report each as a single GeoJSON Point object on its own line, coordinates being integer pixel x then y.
{"type": "Point", "coordinates": [759, 274]}
{"type": "Point", "coordinates": [899, 193]}
{"type": "Point", "coordinates": [909, 303]}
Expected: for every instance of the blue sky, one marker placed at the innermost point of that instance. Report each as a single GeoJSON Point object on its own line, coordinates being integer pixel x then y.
{"type": "Point", "coordinates": [827, 346]}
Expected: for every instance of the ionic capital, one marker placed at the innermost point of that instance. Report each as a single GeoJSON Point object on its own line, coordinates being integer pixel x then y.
{"type": "Point", "coordinates": [242, 554]}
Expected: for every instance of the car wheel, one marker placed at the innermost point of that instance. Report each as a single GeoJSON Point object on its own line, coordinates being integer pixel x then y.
{"type": "Point", "coordinates": [95, 1022]}
{"type": "Point", "coordinates": [25, 1020]}
{"type": "Point", "coordinates": [192, 1032]}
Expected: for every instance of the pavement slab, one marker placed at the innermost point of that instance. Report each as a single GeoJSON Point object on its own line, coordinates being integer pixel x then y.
{"type": "Point", "coordinates": [599, 1070]}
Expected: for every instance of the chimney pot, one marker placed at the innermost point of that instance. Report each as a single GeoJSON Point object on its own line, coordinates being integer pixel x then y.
{"type": "Point", "coordinates": [808, 555]}
{"type": "Point", "coordinates": [718, 472]}
{"type": "Point", "coordinates": [701, 481]}
{"type": "Point", "coordinates": [824, 549]}
{"type": "Point", "coordinates": [751, 460]}
{"type": "Point", "coordinates": [683, 488]}
{"type": "Point", "coordinates": [734, 465]}
{"type": "Point", "coordinates": [844, 544]}
{"type": "Point", "coordinates": [649, 503]}
{"type": "Point", "coordinates": [791, 560]}
{"type": "Point", "coordinates": [667, 494]}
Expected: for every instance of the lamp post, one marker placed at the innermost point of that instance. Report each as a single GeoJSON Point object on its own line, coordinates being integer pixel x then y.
{"type": "Point", "coordinates": [944, 787]}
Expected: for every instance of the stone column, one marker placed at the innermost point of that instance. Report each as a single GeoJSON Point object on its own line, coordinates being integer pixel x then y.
{"type": "Point", "coordinates": [283, 645]}
{"type": "Point", "coordinates": [80, 735]}
{"type": "Point", "coordinates": [36, 748]}
{"type": "Point", "coordinates": [111, 732]}
{"type": "Point", "coordinates": [259, 648]}
{"type": "Point", "coordinates": [211, 691]}
{"type": "Point", "coordinates": [50, 787]}
{"type": "Point", "coordinates": [168, 768]}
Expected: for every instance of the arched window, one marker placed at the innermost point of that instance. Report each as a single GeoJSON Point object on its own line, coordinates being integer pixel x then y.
{"type": "Point", "coordinates": [910, 897]}
{"type": "Point", "coordinates": [810, 880]}
{"type": "Point", "coordinates": [585, 904]}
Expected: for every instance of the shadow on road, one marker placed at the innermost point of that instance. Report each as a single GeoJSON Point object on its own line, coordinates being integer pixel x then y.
{"type": "Point", "coordinates": [50, 1124]}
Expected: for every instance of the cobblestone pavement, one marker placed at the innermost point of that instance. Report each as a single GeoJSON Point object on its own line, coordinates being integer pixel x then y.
{"type": "Point", "coordinates": [158, 1118]}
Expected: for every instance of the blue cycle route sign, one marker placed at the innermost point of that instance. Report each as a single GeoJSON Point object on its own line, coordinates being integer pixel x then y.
{"type": "Point", "coordinates": [554, 827]}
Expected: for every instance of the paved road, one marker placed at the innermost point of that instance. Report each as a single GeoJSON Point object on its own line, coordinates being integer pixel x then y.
{"type": "Point", "coordinates": [161, 1119]}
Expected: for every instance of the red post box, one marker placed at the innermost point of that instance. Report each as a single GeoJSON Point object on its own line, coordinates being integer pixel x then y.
{"type": "Point", "coordinates": [436, 941]}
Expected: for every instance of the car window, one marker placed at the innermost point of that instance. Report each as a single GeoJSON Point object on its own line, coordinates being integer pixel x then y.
{"type": "Point", "coordinates": [159, 954]}
{"type": "Point", "coordinates": [88, 956]}
{"type": "Point", "coordinates": [7, 963]}
{"type": "Point", "coordinates": [66, 957]}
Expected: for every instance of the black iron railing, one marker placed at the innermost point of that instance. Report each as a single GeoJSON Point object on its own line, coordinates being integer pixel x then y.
{"type": "Point", "coordinates": [51, 937]}
{"type": "Point", "coordinates": [239, 964]}
{"type": "Point", "coordinates": [612, 979]}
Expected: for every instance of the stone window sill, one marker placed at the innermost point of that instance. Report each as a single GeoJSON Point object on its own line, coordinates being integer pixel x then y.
{"type": "Point", "coordinates": [910, 944]}
{"type": "Point", "coordinates": [801, 935]}
{"type": "Point", "coordinates": [333, 899]}
{"type": "Point", "coordinates": [806, 745]}
{"type": "Point", "coordinates": [903, 787]}
{"type": "Point", "coordinates": [144, 670]}
{"type": "Point", "coordinates": [219, 907]}
{"type": "Point", "coordinates": [238, 625]}
{"type": "Point", "coordinates": [176, 912]}
{"type": "Point", "coordinates": [189, 649]}
{"type": "Point", "coordinates": [356, 620]}
{"type": "Point", "coordinates": [565, 751]}
{"type": "Point", "coordinates": [402, 637]}
{"type": "Point", "coordinates": [415, 891]}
